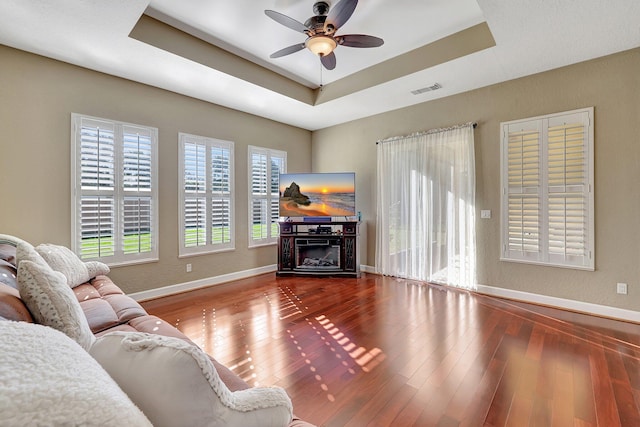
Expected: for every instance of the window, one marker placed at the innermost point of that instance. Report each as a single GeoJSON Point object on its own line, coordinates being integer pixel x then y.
{"type": "Point", "coordinates": [206, 189]}
{"type": "Point", "coordinates": [547, 190]}
{"type": "Point", "coordinates": [114, 197]}
{"type": "Point", "coordinates": [265, 167]}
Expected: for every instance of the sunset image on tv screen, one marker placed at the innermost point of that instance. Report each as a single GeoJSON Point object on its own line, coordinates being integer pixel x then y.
{"type": "Point", "coordinates": [317, 194]}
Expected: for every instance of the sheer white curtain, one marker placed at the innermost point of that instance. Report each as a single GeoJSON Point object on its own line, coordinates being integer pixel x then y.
{"type": "Point", "coordinates": [426, 207]}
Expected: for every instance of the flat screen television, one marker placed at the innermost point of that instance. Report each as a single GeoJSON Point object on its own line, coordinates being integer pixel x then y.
{"type": "Point", "coordinates": [317, 194]}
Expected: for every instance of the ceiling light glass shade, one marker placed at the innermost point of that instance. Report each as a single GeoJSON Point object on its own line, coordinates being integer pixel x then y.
{"type": "Point", "coordinates": [321, 45]}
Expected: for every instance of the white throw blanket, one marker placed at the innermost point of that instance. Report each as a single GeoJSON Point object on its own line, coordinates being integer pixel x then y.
{"type": "Point", "coordinates": [47, 379]}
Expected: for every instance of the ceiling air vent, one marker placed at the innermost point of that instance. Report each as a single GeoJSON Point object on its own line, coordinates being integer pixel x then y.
{"type": "Point", "coordinates": [435, 86]}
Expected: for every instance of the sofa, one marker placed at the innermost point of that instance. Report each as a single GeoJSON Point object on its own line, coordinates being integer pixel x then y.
{"type": "Point", "coordinates": [177, 383]}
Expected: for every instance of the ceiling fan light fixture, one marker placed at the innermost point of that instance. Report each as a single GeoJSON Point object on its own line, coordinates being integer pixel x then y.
{"type": "Point", "coordinates": [321, 45]}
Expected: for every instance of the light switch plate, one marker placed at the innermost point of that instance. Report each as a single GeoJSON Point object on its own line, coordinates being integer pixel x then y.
{"type": "Point", "coordinates": [485, 213]}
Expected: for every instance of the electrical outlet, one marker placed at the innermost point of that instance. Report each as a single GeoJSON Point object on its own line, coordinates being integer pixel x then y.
{"type": "Point", "coordinates": [188, 268]}
{"type": "Point", "coordinates": [621, 288]}
{"type": "Point", "coordinates": [485, 213]}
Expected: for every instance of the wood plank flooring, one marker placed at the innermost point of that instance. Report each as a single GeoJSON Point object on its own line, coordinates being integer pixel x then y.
{"type": "Point", "coordinates": [380, 351]}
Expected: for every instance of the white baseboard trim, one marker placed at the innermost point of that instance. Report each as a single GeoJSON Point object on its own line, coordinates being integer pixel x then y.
{"type": "Point", "coordinates": [368, 269]}
{"type": "Point", "coordinates": [579, 306]}
{"type": "Point", "coordinates": [201, 283]}
{"type": "Point", "coordinates": [561, 303]}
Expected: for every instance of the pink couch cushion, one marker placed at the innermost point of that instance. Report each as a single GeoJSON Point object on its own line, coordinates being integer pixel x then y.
{"type": "Point", "coordinates": [105, 305]}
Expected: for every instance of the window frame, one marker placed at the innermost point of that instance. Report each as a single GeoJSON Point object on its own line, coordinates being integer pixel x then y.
{"type": "Point", "coordinates": [209, 195]}
{"type": "Point", "coordinates": [543, 189]}
{"type": "Point", "coordinates": [118, 192]}
{"type": "Point", "coordinates": [270, 199]}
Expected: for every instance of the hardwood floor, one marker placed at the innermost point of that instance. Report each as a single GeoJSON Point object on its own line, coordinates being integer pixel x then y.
{"type": "Point", "coordinates": [379, 351]}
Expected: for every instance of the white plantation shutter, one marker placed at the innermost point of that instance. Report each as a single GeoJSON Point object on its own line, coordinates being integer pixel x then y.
{"type": "Point", "coordinates": [114, 198]}
{"type": "Point", "coordinates": [97, 223]}
{"type": "Point", "coordinates": [97, 182]}
{"type": "Point", "coordinates": [523, 190]}
{"type": "Point", "coordinates": [194, 187]}
{"type": "Point", "coordinates": [265, 167]}
{"type": "Point", "coordinates": [137, 222]}
{"type": "Point", "coordinates": [221, 172]}
{"type": "Point", "coordinates": [277, 167]}
{"type": "Point", "coordinates": [568, 189]}
{"type": "Point", "coordinates": [195, 222]}
{"type": "Point", "coordinates": [206, 189]}
{"type": "Point", "coordinates": [547, 176]}
{"type": "Point", "coordinates": [259, 220]}
{"type": "Point", "coordinates": [137, 159]}
{"type": "Point", "coordinates": [138, 210]}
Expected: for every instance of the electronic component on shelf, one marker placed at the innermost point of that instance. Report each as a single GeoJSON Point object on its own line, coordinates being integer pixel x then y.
{"type": "Point", "coordinates": [323, 230]}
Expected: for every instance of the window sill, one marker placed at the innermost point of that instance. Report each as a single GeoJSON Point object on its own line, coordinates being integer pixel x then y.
{"type": "Point", "coordinates": [549, 264]}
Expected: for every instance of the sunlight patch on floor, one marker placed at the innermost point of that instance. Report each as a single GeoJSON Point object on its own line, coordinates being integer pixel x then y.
{"type": "Point", "coordinates": [367, 360]}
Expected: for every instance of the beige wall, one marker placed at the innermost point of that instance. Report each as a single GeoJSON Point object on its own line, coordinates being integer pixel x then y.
{"type": "Point", "coordinates": [610, 84]}
{"type": "Point", "coordinates": [37, 97]}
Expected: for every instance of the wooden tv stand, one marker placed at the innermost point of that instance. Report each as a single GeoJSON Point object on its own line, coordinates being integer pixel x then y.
{"type": "Point", "coordinates": [319, 248]}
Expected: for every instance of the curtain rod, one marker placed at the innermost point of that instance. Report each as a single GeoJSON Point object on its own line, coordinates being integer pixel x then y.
{"type": "Point", "coordinates": [427, 132]}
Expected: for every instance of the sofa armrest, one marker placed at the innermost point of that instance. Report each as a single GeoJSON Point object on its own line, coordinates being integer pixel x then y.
{"type": "Point", "coordinates": [11, 306]}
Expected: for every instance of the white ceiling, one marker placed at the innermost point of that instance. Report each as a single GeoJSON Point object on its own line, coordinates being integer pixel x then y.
{"type": "Point", "coordinates": [530, 36]}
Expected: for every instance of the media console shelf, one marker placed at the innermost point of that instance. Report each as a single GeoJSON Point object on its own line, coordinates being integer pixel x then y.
{"type": "Point", "coordinates": [317, 247]}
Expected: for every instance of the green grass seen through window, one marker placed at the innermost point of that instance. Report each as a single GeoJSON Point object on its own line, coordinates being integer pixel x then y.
{"type": "Point", "coordinates": [193, 236]}
{"type": "Point", "coordinates": [95, 247]}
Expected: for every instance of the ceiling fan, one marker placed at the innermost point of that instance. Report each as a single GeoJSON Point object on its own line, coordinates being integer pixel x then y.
{"type": "Point", "coordinates": [320, 30]}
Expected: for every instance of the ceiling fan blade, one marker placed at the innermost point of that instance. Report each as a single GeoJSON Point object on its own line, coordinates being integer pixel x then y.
{"type": "Point", "coordinates": [329, 61]}
{"type": "Point", "coordinates": [286, 21]}
{"type": "Point", "coordinates": [340, 13]}
{"type": "Point", "coordinates": [359, 40]}
{"type": "Point", "coordinates": [287, 50]}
